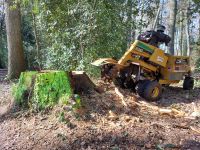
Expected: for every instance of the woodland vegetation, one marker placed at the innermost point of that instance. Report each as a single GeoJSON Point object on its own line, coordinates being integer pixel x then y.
{"type": "Point", "coordinates": [50, 38]}
{"type": "Point", "coordinates": [70, 34]}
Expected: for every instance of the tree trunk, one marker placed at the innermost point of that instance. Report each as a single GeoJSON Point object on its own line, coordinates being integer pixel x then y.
{"type": "Point", "coordinates": [2, 20]}
{"type": "Point", "coordinates": [156, 21]}
{"type": "Point", "coordinates": [37, 43]}
{"type": "Point", "coordinates": [130, 30]}
{"type": "Point", "coordinates": [176, 43]}
{"type": "Point", "coordinates": [161, 12]}
{"type": "Point", "coordinates": [199, 28]}
{"type": "Point", "coordinates": [187, 30]}
{"type": "Point", "coordinates": [172, 23]}
{"type": "Point", "coordinates": [181, 32]}
{"type": "Point", "coordinates": [141, 16]}
{"type": "Point", "coordinates": [187, 34]}
{"type": "Point", "coordinates": [16, 63]}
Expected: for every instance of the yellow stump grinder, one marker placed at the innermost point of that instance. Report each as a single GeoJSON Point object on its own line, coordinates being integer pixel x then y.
{"type": "Point", "coordinates": [145, 68]}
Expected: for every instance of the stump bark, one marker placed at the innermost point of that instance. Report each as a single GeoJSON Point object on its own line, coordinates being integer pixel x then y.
{"type": "Point", "coordinates": [82, 83]}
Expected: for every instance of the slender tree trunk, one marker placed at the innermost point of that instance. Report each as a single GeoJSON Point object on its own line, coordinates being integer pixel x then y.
{"type": "Point", "coordinates": [129, 23]}
{"type": "Point", "coordinates": [187, 31]}
{"type": "Point", "coordinates": [133, 16]}
{"type": "Point", "coordinates": [199, 27]}
{"type": "Point", "coordinates": [37, 43]}
{"type": "Point", "coordinates": [178, 52]}
{"type": "Point", "coordinates": [184, 40]}
{"type": "Point", "coordinates": [16, 62]}
{"type": "Point", "coordinates": [142, 15]}
{"type": "Point", "coordinates": [172, 23]}
{"type": "Point", "coordinates": [2, 34]}
{"type": "Point", "coordinates": [181, 31]}
{"type": "Point", "coordinates": [156, 21]}
{"type": "Point", "coordinates": [184, 45]}
{"type": "Point", "coordinates": [161, 12]}
{"type": "Point", "coordinates": [184, 36]}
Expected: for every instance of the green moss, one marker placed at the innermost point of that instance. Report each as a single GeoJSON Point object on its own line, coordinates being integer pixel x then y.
{"type": "Point", "coordinates": [21, 90]}
{"type": "Point", "coordinates": [50, 88]}
{"type": "Point", "coordinates": [43, 90]}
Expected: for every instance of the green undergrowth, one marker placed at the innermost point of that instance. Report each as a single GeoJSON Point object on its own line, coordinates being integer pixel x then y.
{"type": "Point", "coordinates": [39, 91]}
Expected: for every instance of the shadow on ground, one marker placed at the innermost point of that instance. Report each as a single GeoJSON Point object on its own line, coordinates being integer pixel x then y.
{"type": "Point", "coordinates": [175, 95]}
{"type": "Point", "coordinates": [123, 140]}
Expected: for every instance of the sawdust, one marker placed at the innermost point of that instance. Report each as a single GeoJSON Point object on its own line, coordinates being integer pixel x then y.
{"type": "Point", "coordinates": [107, 122]}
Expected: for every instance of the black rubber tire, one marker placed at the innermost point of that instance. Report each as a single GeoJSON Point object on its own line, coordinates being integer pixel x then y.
{"type": "Point", "coordinates": [141, 86]}
{"type": "Point", "coordinates": [149, 87]}
{"type": "Point", "coordinates": [188, 83]}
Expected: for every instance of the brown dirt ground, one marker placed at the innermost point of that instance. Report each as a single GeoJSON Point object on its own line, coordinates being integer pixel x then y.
{"type": "Point", "coordinates": [131, 124]}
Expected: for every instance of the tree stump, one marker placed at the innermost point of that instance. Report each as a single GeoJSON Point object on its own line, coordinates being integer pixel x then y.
{"type": "Point", "coordinates": [81, 82]}
{"type": "Point", "coordinates": [40, 90]}
{"type": "Point", "coordinates": [44, 89]}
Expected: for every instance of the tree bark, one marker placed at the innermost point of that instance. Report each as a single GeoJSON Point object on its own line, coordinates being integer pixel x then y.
{"type": "Point", "coordinates": [16, 62]}
{"type": "Point", "coordinates": [161, 12]}
{"type": "Point", "coordinates": [172, 23]}
{"type": "Point", "coordinates": [187, 34]}
{"type": "Point", "coordinates": [141, 16]}
{"type": "Point", "coordinates": [181, 32]}
{"type": "Point", "coordinates": [187, 30]}
{"type": "Point", "coordinates": [199, 27]}
{"type": "Point", "coordinates": [81, 82]}
{"type": "Point", "coordinates": [156, 21]}
{"type": "Point", "coordinates": [37, 43]}
{"type": "Point", "coordinates": [130, 30]}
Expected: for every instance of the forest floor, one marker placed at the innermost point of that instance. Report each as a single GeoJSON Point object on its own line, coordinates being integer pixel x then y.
{"type": "Point", "coordinates": [116, 119]}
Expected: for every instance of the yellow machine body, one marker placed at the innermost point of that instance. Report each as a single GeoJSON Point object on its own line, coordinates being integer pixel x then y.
{"type": "Point", "coordinates": [171, 69]}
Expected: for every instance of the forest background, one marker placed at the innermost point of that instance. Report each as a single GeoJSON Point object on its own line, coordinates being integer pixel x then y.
{"type": "Point", "coordinates": [70, 34]}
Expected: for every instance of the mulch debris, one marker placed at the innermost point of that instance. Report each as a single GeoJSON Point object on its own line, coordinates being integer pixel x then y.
{"type": "Point", "coordinates": [116, 119]}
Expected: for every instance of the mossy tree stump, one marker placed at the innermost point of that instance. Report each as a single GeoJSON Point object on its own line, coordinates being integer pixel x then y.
{"type": "Point", "coordinates": [41, 90]}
